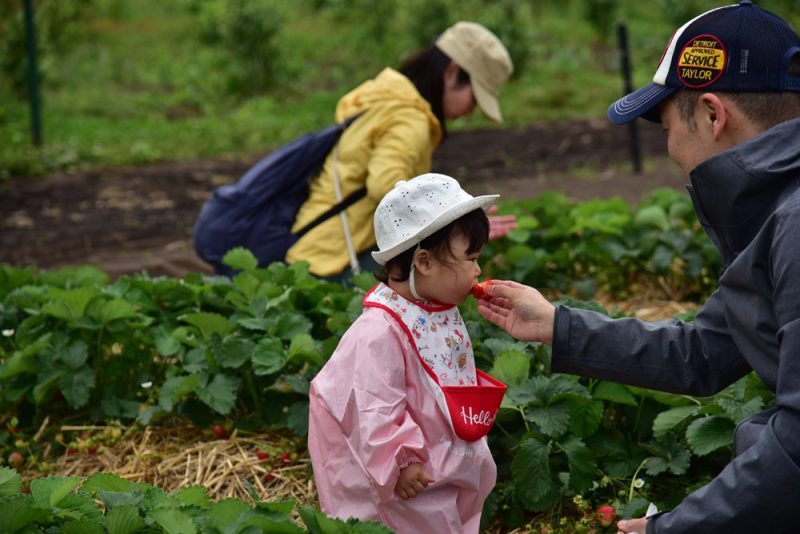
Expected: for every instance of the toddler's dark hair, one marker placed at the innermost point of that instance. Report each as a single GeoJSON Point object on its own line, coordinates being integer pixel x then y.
{"type": "Point", "coordinates": [474, 226]}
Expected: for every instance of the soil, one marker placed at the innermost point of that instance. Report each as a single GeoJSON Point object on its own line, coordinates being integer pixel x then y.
{"type": "Point", "coordinates": [133, 219]}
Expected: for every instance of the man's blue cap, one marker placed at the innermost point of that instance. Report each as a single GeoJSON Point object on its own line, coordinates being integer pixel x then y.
{"type": "Point", "coordinates": [737, 48]}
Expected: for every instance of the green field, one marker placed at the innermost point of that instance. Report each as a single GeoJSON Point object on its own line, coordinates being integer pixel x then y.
{"type": "Point", "coordinates": [146, 81]}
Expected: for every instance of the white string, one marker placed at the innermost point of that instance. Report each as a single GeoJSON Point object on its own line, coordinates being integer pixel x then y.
{"type": "Point", "coordinates": [351, 251]}
{"type": "Point", "coordinates": [411, 286]}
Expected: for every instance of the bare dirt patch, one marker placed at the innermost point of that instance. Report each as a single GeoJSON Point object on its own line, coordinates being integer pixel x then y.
{"type": "Point", "coordinates": [134, 219]}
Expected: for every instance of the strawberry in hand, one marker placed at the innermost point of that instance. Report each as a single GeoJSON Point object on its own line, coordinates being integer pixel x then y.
{"type": "Point", "coordinates": [479, 290]}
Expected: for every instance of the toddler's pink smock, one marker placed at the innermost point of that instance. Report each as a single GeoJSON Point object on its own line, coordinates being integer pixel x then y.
{"type": "Point", "coordinates": [371, 414]}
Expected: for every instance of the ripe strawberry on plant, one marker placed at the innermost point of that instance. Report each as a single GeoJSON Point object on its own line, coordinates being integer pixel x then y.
{"type": "Point", "coordinates": [219, 432]}
{"type": "Point", "coordinates": [605, 515]}
{"type": "Point", "coordinates": [261, 455]}
{"type": "Point", "coordinates": [15, 459]}
{"type": "Point", "coordinates": [479, 290]}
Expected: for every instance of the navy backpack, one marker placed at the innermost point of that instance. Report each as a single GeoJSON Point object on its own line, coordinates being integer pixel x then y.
{"type": "Point", "coordinates": [259, 210]}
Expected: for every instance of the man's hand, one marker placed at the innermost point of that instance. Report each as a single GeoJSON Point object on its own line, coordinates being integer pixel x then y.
{"type": "Point", "coordinates": [519, 310]}
{"type": "Point", "coordinates": [632, 526]}
{"type": "Point", "coordinates": [500, 225]}
{"type": "Point", "coordinates": [413, 481]}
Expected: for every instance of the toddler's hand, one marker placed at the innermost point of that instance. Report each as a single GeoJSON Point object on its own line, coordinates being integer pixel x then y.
{"type": "Point", "coordinates": [413, 481]}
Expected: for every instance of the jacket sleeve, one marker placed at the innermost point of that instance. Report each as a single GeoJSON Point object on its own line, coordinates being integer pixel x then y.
{"type": "Point", "coordinates": [366, 395]}
{"type": "Point", "coordinates": [400, 144]}
{"type": "Point", "coordinates": [697, 358]}
{"type": "Point", "coordinates": [758, 491]}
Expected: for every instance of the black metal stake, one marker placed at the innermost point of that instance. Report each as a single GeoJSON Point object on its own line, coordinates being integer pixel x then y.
{"type": "Point", "coordinates": [622, 37]}
{"type": "Point", "coordinates": [33, 73]}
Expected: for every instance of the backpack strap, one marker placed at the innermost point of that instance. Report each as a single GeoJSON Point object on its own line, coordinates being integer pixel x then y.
{"type": "Point", "coordinates": [348, 201]}
{"type": "Point", "coordinates": [340, 206]}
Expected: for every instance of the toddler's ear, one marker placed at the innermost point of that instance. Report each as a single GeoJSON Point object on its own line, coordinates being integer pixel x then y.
{"type": "Point", "coordinates": [423, 260]}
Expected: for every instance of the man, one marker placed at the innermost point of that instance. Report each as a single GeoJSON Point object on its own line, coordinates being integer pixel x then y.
{"type": "Point", "coordinates": [727, 91]}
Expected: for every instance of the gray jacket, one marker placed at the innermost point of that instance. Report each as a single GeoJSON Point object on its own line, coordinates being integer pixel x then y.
{"type": "Point", "coordinates": [748, 201]}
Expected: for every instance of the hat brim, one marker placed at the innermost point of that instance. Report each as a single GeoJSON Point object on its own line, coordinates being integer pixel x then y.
{"type": "Point", "coordinates": [488, 102]}
{"type": "Point", "coordinates": [456, 212]}
{"type": "Point", "coordinates": [641, 103]}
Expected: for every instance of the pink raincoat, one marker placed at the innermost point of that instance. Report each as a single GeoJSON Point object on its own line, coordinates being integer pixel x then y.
{"type": "Point", "coordinates": [372, 413]}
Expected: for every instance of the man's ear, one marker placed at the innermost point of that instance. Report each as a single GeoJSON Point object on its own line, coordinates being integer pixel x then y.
{"type": "Point", "coordinates": [713, 114]}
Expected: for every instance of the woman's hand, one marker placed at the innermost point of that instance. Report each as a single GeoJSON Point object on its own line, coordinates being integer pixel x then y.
{"type": "Point", "coordinates": [413, 481]}
{"type": "Point", "coordinates": [519, 310]}
{"type": "Point", "coordinates": [500, 225]}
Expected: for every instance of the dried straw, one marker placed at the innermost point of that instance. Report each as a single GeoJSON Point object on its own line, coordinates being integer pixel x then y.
{"type": "Point", "coordinates": [175, 457]}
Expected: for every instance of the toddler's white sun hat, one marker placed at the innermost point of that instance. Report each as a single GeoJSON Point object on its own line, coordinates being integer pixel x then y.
{"type": "Point", "coordinates": [415, 209]}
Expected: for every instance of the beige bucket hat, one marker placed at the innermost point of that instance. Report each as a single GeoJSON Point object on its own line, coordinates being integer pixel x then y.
{"type": "Point", "coordinates": [479, 52]}
{"type": "Point", "coordinates": [417, 208]}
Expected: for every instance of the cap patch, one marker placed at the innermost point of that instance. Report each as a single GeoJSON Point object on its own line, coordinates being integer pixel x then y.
{"type": "Point", "coordinates": [702, 61]}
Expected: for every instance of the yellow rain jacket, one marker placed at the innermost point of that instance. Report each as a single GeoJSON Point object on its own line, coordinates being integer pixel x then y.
{"type": "Point", "coordinates": [393, 140]}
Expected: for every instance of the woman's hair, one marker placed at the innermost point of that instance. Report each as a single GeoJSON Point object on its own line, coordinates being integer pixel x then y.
{"type": "Point", "coordinates": [426, 69]}
{"type": "Point", "coordinates": [474, 226]}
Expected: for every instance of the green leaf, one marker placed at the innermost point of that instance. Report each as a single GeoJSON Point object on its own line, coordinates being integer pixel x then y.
{"type": "Point", "coordinates": [208, 323]}
{"type": "Point", "coordinates": [82, 527]}
{"type": "Point", "coordinates": [74, 354]}
{"type": "Point", "coordinates": [113, 310]}
{"type": "Point", "coordinates": [708, 434]}
{"type": "Point", "coordinates": [268, 357]}
{"type": "Point", "coordinates": [636, 507]}
{"type": "Point", "coordinates": [10, 482]}
{"type": "Point", "coordinates": [511, 367]}
{"type": "Point", "coordinates": [81, 507]}
{"type": "Point", "coordinates": [303, 348]}
{"type": "Point", "coordinates": [581, 463]}
{"type": "Point", "coordinates": [18, 363]}
{"type": "Point", "coordinates": [106, 482]}
{"type": "Point", "coordinates": [173, 521]}
{"type": "Point", "coordinates": [675, 458]}
{"type": "Point", "coordinates": [124, 519]}
{"type": "Point", "coordinates": [613, 392]}
{"type": "Point", "coordinates": [652, 215]}
{"type": "Point", "coordinates": [530, 470]}
{"type": "Point", "coordinates": [195, 495]}
{"type": "Point", "coordinates": [77, 386]}
{"type": "Point", "coordinates": [584, 416]}
{"type": "Point", "coordinates": [669, 419]}
{"type": "Point", "coordinates": [220, 393]}
{"type": "Point", "coordinates": [233, 351]}
{"type": "Point", "coordinates": [19, 512]}
{"type": "Point", "coordinates": [298, 418]}
{"type": "Point", "coordinates": [69, 305]}
{"type": "Point", "coordinates": [177, 388]}
{"type": "Point", "coordinates": [50, 491]}
{"type": "Point", "coordinates": [552, 419]}
{"type": "Point", "coordinates": [227, 512]}
{"type": "Point", "coordinates": [165, 342]}
{"type": "Point", "coordinates": [561, 387]}
{"type": "Point", "coordinates": [292, 324]}
{"type": "Point", "coordinates": [240, 259]}
{"type": "Point", "coordinates": [738, 411]}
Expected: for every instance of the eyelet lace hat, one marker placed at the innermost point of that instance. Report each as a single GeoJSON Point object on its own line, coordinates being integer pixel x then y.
{"type": "Point", "coordinates": [417, 208]}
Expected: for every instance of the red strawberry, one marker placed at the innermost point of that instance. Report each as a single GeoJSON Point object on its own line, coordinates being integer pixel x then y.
{"type": "Point", "coordinates": [261, 455]}
{"type": "Point", "coordinates": [218, 431]}
{"type": "Point", "coordinates": [15, 459]}
{"type": "Point", "coordinates": [605, 515]}
{"type": "Point", "coordinates": [479, 290]}
{"type": "Point", "coordinates": [285, 458]}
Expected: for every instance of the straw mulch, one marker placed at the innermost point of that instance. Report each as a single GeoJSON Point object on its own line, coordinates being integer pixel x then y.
{"type": "Point", "coordinates": [174, 457]}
